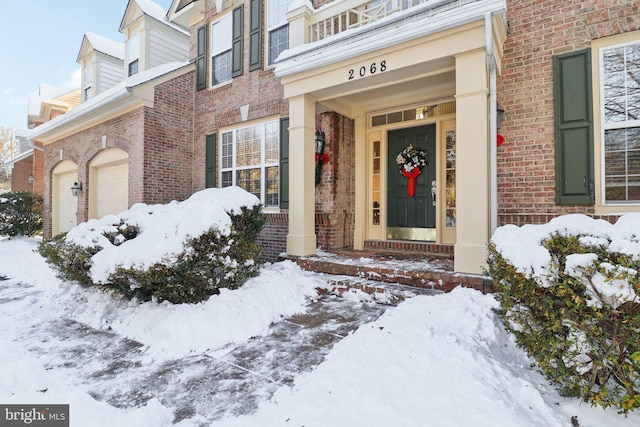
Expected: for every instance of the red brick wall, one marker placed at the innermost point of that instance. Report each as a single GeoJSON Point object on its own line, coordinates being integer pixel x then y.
{"type": "Point", "coordinates": [335, 212]}
{"type": "Point", "coordinates": [168, 148]}
{"type": "Point", "coordinates": [538, 30]}
{"type": "Point", "coordinates": [20, 175]}
{"type": "Point", "coordinates": [159, 141]}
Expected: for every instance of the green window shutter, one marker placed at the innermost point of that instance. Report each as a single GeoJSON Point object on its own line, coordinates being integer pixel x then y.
{"type": "Point", "coordinates": [201, 59]}
{"type": "Point", "coordinates": [255, 35]}
{"type": "Point", "coordinates": [210, 156]}
{"type": "Point", "coordinates": [573, 123]}
{"type": "Point", "coordinates": [237, 45]}
{"type": "Point", "coordinates": [284, 162]}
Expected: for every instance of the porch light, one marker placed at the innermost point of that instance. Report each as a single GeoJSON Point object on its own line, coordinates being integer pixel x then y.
{"type": "Point", "coordinates": [320, 141]}
{"type": "Point", "coordinates": [76, 188]}
{"type": "Point", "coordinates": [30, 179]}
{"type": "Point", "coordinates": [499, 114]}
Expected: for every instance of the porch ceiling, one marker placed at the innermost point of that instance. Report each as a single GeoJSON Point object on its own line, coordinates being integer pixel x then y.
{"type": "Point", "coordinates": [419, 82]}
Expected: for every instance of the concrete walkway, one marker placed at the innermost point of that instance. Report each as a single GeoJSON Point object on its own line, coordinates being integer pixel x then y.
{"type": "Point", "coordinates": [202, 387]}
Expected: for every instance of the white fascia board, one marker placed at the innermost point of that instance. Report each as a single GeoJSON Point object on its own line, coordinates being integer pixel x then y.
{"type": "Point", "coordinates": [388, 32]}
{"type": "Point", "coordinates": [106, 102]}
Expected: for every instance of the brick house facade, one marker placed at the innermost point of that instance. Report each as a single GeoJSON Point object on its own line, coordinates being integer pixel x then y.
{"type": "Point", "coordinates": [538, 31]}
{"type": "Point", "coordinates": [236, 116]}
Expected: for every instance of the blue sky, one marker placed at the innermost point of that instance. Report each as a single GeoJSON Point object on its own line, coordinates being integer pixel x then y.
{"type": "Point", "coordinates": [39, 43]}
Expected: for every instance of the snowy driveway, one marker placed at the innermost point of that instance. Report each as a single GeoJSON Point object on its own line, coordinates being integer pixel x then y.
{"type": "Point", "coordinates": [203, 387]}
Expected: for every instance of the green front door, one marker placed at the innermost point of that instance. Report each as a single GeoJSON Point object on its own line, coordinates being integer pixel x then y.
{"type": "Point", "coordinates": [411, 218]}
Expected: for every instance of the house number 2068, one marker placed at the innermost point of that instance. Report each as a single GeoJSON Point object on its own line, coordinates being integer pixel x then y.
{"type": "Point", "coordinates": [373, 68]}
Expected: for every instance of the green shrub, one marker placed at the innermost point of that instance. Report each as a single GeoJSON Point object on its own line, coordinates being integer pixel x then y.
{"type": "Point", "coordinates": [20, 214]}
{"type": "Point", "coordinates": [584, 340]}
{"type": "Point", "coordinates": [207, 263]}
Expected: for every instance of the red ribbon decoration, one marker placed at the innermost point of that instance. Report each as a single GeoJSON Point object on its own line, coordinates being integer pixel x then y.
{"type": "Point", "coordinates": [323, 157]}
{"type": "Point", "coordinates": [411, 176]}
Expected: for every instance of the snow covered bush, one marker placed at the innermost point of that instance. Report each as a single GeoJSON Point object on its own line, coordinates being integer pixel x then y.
{"type": "Point", "coordinates": [179, 252]}
{"type": "Point", "coordinates": [569, 292]}
{"type": "Point", "coordinates": [20, 214]}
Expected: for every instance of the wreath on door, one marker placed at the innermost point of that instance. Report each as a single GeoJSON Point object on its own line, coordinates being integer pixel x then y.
{"type": "Point", "coordinates": [410, 163]}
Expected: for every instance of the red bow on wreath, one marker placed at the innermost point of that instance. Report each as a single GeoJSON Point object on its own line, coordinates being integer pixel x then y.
{"type": "Point", "coordinates": [410, 162]}
{"type": "Point", "coordinates": [411, 176]}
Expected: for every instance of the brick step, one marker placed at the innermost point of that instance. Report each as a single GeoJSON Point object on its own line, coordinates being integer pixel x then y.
{"type": "Point", "coordinates": [431, 273]}
{"type": "Point", "coordinates": [382, 293]}
{"type": "Point", "coordinates": [409, 250]}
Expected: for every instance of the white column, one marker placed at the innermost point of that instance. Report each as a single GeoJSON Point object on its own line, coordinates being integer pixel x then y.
{"type": "Point", "coordinates": [298, 18]}
{"type": "Point", "coordinates": [301, 240]}
{"type": "Point", "coordinates": [361, 179]}
{"type": "Point", "coordinates": [472, 163]}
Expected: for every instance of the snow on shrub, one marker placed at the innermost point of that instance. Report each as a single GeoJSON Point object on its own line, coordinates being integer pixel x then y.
{"type": "Point", "coordinates": [20, 214]}
{"type": "Point", "coordinates": [178, 252]}
{"type": "Point", "coordinates": [569, 291]}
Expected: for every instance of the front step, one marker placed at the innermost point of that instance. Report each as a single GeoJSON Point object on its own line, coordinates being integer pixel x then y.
{"type": "Point", "coordinates": [410, 249]}
{"type": "Point", "coordinates": [432, 272]}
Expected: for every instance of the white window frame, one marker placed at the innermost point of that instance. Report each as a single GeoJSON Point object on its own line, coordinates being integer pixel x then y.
{"type": "Point", "coordinates": [87, 82]}
{"type": "Point", "coordinates": [604, 126]}
{"type": "Point", "coordinates": [133, 53]}
{"type": "Point", "coordinates": [217, 47]}
{"type": "Point", "coordinates": [276, 19]}
{"type": "Point", "coordinates": [263, 165]}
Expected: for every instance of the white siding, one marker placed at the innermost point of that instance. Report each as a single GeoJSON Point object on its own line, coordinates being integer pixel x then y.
{"type": "Point", "coordinates": [110, 73]}
{"type": "Point", "coordinates": [165, 46]}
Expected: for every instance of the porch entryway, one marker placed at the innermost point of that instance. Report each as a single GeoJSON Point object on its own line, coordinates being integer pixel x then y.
{"type": "Point", "coordinates": [411, 202]}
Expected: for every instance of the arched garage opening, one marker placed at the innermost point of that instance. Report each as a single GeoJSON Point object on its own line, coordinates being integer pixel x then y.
{"type": "Point", "coordinates": [64, 205]}
{"type": "Point", "coordinates": [108, 183]}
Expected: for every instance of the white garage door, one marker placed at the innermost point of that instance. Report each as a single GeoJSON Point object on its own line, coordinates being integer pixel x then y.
{"type": "Point", "coordinates": [112, 189]}
{"type": "Point", "coordinates": [65, 204]}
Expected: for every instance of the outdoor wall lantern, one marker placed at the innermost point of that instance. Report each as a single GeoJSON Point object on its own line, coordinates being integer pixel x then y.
{"type": "Point", "coordinates": [76, 188]}
{"type": "Point", "coordinates": [320, 156]}
{"type": "Point", "coordinates": [499, 115]}
{"type": "Point", "coordinates": [30, 179]}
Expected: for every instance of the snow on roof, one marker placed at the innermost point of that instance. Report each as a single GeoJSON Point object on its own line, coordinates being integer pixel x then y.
{"type": "Point", "coordinates": [106, 45]}
{"type": "Point", "coordinates": [117, 92]}
{"type": "Point", "coordinates": [156, 12]}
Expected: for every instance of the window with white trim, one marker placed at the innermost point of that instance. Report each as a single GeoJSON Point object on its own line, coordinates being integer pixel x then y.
{"type": "Point", "coordinates": [250, 160]}
{"type": "Point", "coordinates": [221, 41]}
{"type": "Point", "coordinates": [133, 55]}
{"type": "Point", "coordinates": [620, 112]}
{"type": "Point", "coordinates": [87, 82]}
{"type": "Point", "coordinates": [277, 28]}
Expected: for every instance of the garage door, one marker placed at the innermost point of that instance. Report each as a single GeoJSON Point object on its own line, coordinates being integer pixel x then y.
{"type": "Point", "coordinates": [65, 204]}
{"type": "Point", "coordinates": [112, 189]}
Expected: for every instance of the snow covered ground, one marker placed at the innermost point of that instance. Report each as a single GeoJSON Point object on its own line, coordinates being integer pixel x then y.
{"type": "Point", "coordinates": [440, 360]}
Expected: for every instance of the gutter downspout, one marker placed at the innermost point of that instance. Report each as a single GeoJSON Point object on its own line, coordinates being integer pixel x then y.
{"type": "Point", "coordinates": [493, 132]}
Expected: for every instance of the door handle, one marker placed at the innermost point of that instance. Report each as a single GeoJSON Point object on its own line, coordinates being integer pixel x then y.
{"type": "Point", "coordinates": [433, 192]}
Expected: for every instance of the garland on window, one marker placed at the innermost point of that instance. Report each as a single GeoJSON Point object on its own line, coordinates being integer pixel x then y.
{"type": "Point", "coordinates": [410, 163]}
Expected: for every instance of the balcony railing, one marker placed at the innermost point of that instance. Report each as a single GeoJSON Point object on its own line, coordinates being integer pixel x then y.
{"type": "Point", "coordinates": [342, 16]}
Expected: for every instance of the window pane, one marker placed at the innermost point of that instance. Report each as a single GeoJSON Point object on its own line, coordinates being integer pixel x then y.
{"type": "Point", "coordinates": [227, 179]}
{"type": "Point", "coordinates": [248, 141]}
{"type": "Point", "coordinates": [615, 189]}
{"type": "Point", "coordinates": [227, 150]}
{"type": "Point", "coordinates": [221, 37]}
{"type": "Point", "coordinates": [249, 179]}
{"type": "Point", "coordinates": [615, 163]}
{"type": "Point", "coordinates": [221, 68]}
{"type": "Point", "coordinates": [633, 162]}
{"type": "Point", "coordinates": [272, 142]}
{"type": "Point", "coordinates": [278, 42]}
{"type": "Point", "coordinates": [271, 196]}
